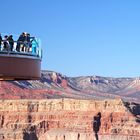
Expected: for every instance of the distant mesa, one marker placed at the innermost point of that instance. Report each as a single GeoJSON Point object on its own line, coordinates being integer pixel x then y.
{"type": "Point", "coordinates": [20, 59]}
{"type": "Point", "coordinates": [56, 85]}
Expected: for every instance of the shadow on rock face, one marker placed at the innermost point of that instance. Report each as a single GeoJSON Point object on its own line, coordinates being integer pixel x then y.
{"type": "Point", "coordinates": [29, 135]}
{"type": "Point", "coordinates": [31, 132]}
{"type": "Point", "coordinates": [134, 108]}
{"type": "Point", "coordinates": [97, 124]}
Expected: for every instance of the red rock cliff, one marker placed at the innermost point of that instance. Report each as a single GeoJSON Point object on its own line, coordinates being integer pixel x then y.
{"type": "Point", "coordinates": [69, 119]}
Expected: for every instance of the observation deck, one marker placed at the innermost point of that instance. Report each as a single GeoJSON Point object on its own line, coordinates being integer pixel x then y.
{"type": "Point", "coordinates": [23, 62]}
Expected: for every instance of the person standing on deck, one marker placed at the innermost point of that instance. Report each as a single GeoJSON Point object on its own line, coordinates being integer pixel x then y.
{"type": "Point", "coordinates": [6, 43]}
{"type": "Point", "coordinates": [0, 41]}
{"type": "Point", "coordinates": [11, 42]}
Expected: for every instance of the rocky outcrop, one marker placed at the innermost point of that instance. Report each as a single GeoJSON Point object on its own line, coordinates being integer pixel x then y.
{"type": "Point", "coordinates": [69, 119]}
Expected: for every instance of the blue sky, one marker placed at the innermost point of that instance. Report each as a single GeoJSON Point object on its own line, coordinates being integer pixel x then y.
{"type": "Point", "coordinates": [80, 37]}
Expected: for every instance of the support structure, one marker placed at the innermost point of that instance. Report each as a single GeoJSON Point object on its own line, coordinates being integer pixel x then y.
{"type": "Point", "coordinates": [19, 67]}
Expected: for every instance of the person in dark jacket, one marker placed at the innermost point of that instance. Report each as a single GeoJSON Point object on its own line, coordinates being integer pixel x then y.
{"type": "Point", "coordinates": [20, 42]}
{"type": "Point", "coordinates": [28, 47]}
{"type": "Point", "coordinates": [11, 42]}
{"type": "Point", "coordinates": [0, 41]}
{"type": "Point", "coordinates": [5, 43]}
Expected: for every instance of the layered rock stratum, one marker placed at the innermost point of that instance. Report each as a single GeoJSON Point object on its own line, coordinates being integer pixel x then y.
{"type": "Point", "coordinates": [57, 107]}
{"type": "Point", "coordinates": [69, 119]}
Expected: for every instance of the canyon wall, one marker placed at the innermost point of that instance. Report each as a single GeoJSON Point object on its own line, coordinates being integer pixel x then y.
{"type": "Point", "coordinates": [69, 119]}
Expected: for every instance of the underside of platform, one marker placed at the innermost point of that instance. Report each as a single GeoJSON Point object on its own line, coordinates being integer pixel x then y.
{"type": "Point", "coordinates": [19, 67]}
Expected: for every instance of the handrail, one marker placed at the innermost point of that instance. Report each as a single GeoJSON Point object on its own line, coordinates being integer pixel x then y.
{"type": "Point", "coordinates": [18, 53]}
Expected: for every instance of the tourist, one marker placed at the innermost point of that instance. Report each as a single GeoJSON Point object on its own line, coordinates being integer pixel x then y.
{"type": "Point", "coordinates": [5, 43]}
{"type": "Point", "coordinates": [20, 42]}
{"type": "Point", "coordinates": [0, 41]}
{"type": "Point", "coordinates": [11, 42]}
